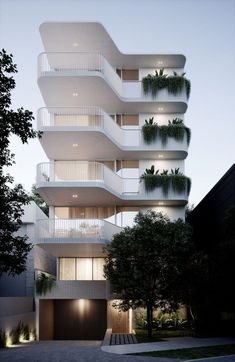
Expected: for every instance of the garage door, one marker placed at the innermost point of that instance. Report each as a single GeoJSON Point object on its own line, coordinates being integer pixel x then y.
{"type": "Point", "coordinates": [83, 319]}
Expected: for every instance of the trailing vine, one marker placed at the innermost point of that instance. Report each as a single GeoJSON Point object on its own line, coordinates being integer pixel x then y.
{"type": "Point", "coordinates": [175, 83]}
{"type": "Point", "coordinates": [175, 129]}
{"type": "Point", "coordinates": [175, 180]}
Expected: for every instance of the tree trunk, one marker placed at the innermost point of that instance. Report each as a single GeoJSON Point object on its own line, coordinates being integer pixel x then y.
{"type": "Point", "coordinates": [149, 319]}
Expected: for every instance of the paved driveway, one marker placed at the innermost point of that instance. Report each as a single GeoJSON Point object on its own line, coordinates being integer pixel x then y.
{"type": "Point", "coordinates": [66, 351]}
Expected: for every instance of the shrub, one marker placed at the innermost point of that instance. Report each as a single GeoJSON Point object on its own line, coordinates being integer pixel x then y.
{"type": "Point", "coordinates": [3, 338]}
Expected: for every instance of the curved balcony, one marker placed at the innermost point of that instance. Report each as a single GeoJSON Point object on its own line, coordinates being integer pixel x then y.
{"type": "Point", "coordinates": [70, 237]}
{"type": "Point", "coordinates": [75, 230]}
{"type": "Point", "coordinates": [76, 79]}
{"type": "Point", "coordinates": [72, 183]}
{"type": "Point", "coordinates": [82, 126]}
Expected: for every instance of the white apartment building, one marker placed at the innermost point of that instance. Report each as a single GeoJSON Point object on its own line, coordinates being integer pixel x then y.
{"type": "Point", "coordinates": [92, 122]}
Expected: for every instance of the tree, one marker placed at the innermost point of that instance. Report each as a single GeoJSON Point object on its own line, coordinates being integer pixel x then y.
{"type": "Point", "coordinates": [152, 264]}
{"type": "Point", "coordinates": [36, 197]}
{"type": "Point", "coordinates": [13, 248]}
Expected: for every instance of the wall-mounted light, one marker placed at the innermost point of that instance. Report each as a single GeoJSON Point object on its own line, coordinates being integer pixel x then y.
{"type": "Point", "coordinates": [75, 196]}
{"type": "Point", "coordinates": [75, 94]}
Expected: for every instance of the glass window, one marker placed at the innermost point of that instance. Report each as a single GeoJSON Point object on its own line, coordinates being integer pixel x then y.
{"type": "Point", "coordinates": [84, 269]}
{"type": "Point", "coordinates": [67, 268]}
{"type": "Point", "coordinates": [98, 269]}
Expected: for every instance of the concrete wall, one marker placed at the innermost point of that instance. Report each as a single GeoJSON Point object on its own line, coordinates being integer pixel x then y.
{"type": "Point", "coordinates": [13, 306]}
{"type": "Point", "coordinates": [14, 310]}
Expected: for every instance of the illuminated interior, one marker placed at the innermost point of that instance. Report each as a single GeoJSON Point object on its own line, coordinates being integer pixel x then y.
{"type": "Point", "coordinates": [81, 268]}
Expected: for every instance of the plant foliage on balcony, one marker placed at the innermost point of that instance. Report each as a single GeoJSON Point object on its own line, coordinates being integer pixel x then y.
{"type": "Point", "coordinates": [175, 129]}
{"type": "Point", "coordinates": [44, 283]}
{"type": "Point", "coordinates": [175, 83]}
{"type": "Point", "coordinates": [175, 180]}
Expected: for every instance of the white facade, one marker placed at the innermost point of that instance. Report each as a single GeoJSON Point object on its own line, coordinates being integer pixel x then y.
{"type": "Point", "coordinates": [92, 122]}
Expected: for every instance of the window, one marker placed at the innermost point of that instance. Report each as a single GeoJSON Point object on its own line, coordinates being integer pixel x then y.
{"type": "Point", "coordinates": [81, 268]}
{"type": "Point", "coordinates": [67, 269]}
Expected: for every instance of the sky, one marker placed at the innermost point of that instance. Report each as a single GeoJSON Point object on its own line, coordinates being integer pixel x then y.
{"type": "Point", "coordinates": [202, 30]}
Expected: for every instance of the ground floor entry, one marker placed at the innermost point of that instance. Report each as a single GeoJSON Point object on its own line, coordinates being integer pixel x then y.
{"type": "Point", "coordinates": [79, 319]}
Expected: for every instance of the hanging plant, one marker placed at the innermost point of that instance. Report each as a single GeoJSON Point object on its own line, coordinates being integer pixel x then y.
{"type": "Point", "coordinates": [44, 283]}
{"type": "Point", "coordinates": [175, 180]}
{"type": "Point", "coordinates": [175, 83]}
{"type": "Point", "coordinates": [175, 129]}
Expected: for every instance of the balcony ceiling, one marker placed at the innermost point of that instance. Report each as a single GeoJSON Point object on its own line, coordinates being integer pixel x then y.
{"type": "Point", "coordinates": [104, 149]}
{"type": "Point", "coordinates": [93, 90]}
{"type": "Point", "coordinates": [93, 37]}
{"type": "Point", "coordinates": [61, 194]}
{"type": "Point", "coordinates": [75, 249]}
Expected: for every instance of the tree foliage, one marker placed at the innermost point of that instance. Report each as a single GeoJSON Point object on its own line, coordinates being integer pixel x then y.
{"type": "Point", "coordinates": [13, 248]}
{"type": "Point", "coordinates": [36, 197]}
{"type": "Point", "coordinates": [152, 264]}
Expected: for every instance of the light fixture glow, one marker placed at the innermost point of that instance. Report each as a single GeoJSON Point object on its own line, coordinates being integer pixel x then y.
{"type": "Point", "coordinates": [161, 203]}
{"type": "Point", "coordinates": [160, 156]}
{"type": "Point", "coordinates": [160, 62]}
{"type": "Point", "coordinates": [160, 109]}
{"type": "Point", "coordinates": [75, 196]}
{"type": "Point", "coordinates": [75, 144]}
{"type": "Point", "coordinates": [75, 94]}
{"type": "Point", "coordinates": [75, 44]}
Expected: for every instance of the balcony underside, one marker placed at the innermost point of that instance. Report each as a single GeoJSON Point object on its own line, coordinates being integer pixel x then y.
{"type": "Point", "coordinates": [76, 289]}
{"type": "Point", "coordinates": [97, 194]}
{"type": "Point", "coordinates": [72, 249]}
{"type": "Point", "coordinates": [93, 90]}
{"type": "Point", "coordinates": [105, 148]}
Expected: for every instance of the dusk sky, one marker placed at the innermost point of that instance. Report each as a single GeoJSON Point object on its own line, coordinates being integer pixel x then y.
{"type": "Point", "coordinates": [202, 30]}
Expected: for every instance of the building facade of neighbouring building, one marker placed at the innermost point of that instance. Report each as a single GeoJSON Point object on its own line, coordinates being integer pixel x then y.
{"type": "Point", "coordinates": [95, 107]}
{"type": "Point", "coordinates": [213, 221]}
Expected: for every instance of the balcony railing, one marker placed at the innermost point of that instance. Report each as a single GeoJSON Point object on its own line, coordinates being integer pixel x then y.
{"type": "Point", "coordinates": [94, 174]}
{"type": "Point", "coordinates": [58, 230]}
{"type": "Point", "coordinates": [86, 173]}
{"type": "Point", "coordinates": [93, 119]}
{"type": "Point", "coordinates": [82, 63]}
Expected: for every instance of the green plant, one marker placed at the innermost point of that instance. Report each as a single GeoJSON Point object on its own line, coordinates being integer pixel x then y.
{"type": "Point", "coordinates": [176, 180]}
{"type": "Point", "coordinates": [3, 338]}
{"type": "Point", "coordinates": [175, 129]}
{"type": "Point", "coordinates": [151, 171]}
{"type": "Point", "coordinates": [175, 83]}
{"type": "Point", "coordinates": [44, 283]}
{"type": "Point", "coordinates": [16, 333]}
{"type": "Point", "coordinates": [32, 334]}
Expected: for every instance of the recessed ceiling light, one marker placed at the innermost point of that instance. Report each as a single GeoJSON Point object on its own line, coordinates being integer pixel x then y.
{"type": "Point", "coordinates": [160, 109]}
{"type": "Point", "coordinates": [75, 144]}
{"type": "Point", "coordinates": [75, 196]}
{"type": "Point", "coordinates": [75, 44]}
{"type": "Point", "coordinates": [75, 94]}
